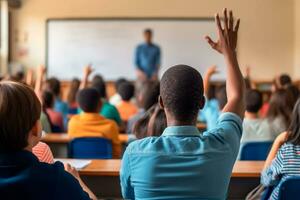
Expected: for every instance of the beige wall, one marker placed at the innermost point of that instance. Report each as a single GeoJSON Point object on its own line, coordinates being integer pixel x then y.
{"type": "Point", "coordinates": [297, 39]}
{"type": "Point", "coordinates": [266, 32]}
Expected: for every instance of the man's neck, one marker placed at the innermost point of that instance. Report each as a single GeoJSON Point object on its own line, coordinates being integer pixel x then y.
{"type": "Point", "coordinates": [250, 115]}
{"type": "Point", "coordinates": [174, 122]}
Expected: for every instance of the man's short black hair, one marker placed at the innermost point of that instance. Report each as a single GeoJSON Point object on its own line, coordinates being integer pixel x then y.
{"type": "Point", "coordinates": [48, 99]}
{"type": "Point", "coordinates": [53, 85]}
{"type": "Point", "coordinates": [148, 31]}
{"type": "Point", "coordinates": [88, 100]}
{"type": "Point", "coordinates": [126, 91]}
{"type": "Point", "coordinates": [181, 90]}
{"type": "Point", "coordinates": [254, 101]}
{"type": "Point", "coordinates": [118, 83]}
{"type": "Point", "coordinates": [285, 80]}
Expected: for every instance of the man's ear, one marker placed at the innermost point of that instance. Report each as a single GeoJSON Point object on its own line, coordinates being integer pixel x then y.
{"type": "Point", "coordinates": [202, 102]}
{"type": "Point", "coordinates": [161, 103]}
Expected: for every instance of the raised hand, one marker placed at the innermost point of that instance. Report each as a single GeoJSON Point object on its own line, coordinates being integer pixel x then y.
{"type": "Point", "coordinates": [227, 36]}
{"type": "Point", "coordinates": [212, 70]}
{"type": "Point", "coordinates": [88, 70]}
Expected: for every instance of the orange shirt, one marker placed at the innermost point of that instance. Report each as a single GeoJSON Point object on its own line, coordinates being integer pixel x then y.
{"type": "Point", "coordinates": [127, 110]}
{"type": "Point", "coordinates": [95, 125]}
{"type": "Point", "coordinates": [43, 152]}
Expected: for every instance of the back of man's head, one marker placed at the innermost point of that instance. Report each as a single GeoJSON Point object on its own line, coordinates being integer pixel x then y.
{"type": "Point", "coordinates": [89, 100]}
{"type": "Point", "coordinates": [126, 91]}
{"type": "Point", "coordinates": [254, 101]}
{"type": "Point", "coordinates": [20, 110]}
{"type": "Point", "coordinates": [285, 80]}
{"type": "Point", "coordinates": [99, 85]}
{"type": "Point", "coordinates": [53, 85]}
{"type": "Point", "coordinates": [181, 90]}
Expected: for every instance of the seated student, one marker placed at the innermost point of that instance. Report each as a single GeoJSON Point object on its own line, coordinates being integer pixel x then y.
{"type": "Point", "coordinates": [108, 111]}
{"type": "Point", "coordinates": [43, 153]}
{"type": "Point", "coordinates": [283, 80]}
{"type": "Point", "coordinates": [279, 112]}
{"type": "Point", "coordinates": [152, 123]}
{"type": "Point", "coordinates": [72, 103]}
{"type": "Point", "coordinates": [22, 175]}
{"type": "Point", "coordinates": [90, 123]}
{"type": "Point", "coordinates": [55, 117]}
{"type": "Point", "coordinates": [283, 160]}
{"type": "Point", "coordinates": [183, 163]}
{"type": "Point", "coordinates": [213, 106]}
{"type": "Point", "coordinates": [53, 85]}
{"type": "Point", "coordinates": [116, 98]}
{"type": "Point", "coordinates": [125, 107]}
{"type": "Point", "coordinates": [255, 129]}
{"type": "Point", "coordinates": [146, 98]}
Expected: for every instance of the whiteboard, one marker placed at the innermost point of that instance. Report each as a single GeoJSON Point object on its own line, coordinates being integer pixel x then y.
{"type": "Point", "coordinates": [109, 45]}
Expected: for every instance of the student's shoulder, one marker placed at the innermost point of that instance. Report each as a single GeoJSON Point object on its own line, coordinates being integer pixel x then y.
{"type": "Point", "coordinates": [143, 145]}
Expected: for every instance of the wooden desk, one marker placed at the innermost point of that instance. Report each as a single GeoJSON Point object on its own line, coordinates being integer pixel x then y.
{"type": "Point", "coordinates": [58, 143]}
{"type": "Point", "coordinates": [102, 176]}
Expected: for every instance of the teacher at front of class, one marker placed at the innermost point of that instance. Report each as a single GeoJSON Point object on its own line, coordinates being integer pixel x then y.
{"type": "Point", "coordinates": [147, 58]}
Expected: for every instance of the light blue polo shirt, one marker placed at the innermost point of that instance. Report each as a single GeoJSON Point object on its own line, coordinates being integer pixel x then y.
{"type": "Point", "coordinates": [182, 163]}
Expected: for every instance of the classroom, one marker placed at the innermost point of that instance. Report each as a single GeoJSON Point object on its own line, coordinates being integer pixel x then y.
{"type": "Point", "coordinates": [150, 100]}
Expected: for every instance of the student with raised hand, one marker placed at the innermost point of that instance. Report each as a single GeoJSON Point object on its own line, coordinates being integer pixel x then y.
{"type": "Point", "coordinates": [108, 110]}
{"type": "Point", "coordinates": [22, 175]}
{"type": "Point", "coordinates": [283, 160]}
{"type": "Point", "coordinates": [211, 111]}
{"type": "Point", "coordinates": [183, 163]}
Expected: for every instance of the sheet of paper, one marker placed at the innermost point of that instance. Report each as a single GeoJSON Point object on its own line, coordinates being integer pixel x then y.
{"type": "Point", "coordinates": [76, 163]}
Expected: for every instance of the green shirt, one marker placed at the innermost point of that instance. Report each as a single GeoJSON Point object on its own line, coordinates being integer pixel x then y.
{"type": "Point", "coordinates": [110, 112]}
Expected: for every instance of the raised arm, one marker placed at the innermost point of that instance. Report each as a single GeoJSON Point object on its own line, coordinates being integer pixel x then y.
{"type": "Point", "coordinates": [206, 82]}
{"type": "Point", "coordinates": [86, 73]}
{"type": "Point", "coordinates": [40, 76]}
{"type": "Point", "coordinates": [226, 45]}
{"type": "Point", "coordinates": [29, 77]}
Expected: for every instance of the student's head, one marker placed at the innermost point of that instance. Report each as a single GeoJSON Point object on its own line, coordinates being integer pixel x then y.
{"type": "Point", "coordinates": [118, 83]}
{"type": "Point", "coordinates": [48, 99]}
{"type": "Point", "coordinates": [99, 85]}
{"type": "Point", "coordinates": [281, 105]}
{"type": "Point", "coordinates": [294, 92]}
{"type": "Point", "coordinates": [89, 100]}
{"type": "Point", "coordinates": [148, 95]}
{"type": "Point", "coordinates": [53, 85]}
{"type": "Point", "coordinates": [126, 91]}
{"type": "Point", "coordinates": [181, 94]}
{"type": "Point", "coordinates": [20, 111]}
{"type": "Point", "coordinates": [284, 80]}
{"type": "Point", "coordinates": [148, 35]}
{"type": "Point", "coordinates": [254, 101]}
{"type": "Point", "coordinates": [19, 76]}
{"type": "Point", "coordinates": [74, 87]}
{"type": "Point", "coordinates": [294, 128]}
{"type": "Point", "coordinates": [152, 123]}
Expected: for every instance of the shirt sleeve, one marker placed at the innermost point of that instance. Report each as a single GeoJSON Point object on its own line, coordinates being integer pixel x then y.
{"type": "Point", "coordinates": [116, 143]}
{"type": "Point", "coordinates": [158, 57]}
{"type": "Point", "coordinates": [271, 175]}
{"type": "Point", "coordinates": [137, 58]}
{"type": "Point", "coordinates": [125, 175]}
{"type": "Point", "coordinates": [228, 130]}
{"type": "Point", "coordinates": [68, 187]}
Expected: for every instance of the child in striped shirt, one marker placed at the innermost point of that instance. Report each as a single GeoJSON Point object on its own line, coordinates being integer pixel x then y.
{"type": "Point", "coordinates": [284, 158]}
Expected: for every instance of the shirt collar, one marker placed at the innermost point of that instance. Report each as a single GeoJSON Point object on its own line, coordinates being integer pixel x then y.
{"type": "Point", "coordinates": [19, 158]}
{"type": "Point", "coordinates": [181, 131]}
{"type": "Point", "coordinates": [88, 116]}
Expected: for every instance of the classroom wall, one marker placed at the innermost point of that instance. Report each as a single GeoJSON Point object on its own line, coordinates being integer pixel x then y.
{"type": "Point", "coordinates": [297, 39]}
{"type": "Point", "coordinates": [266, 39]}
